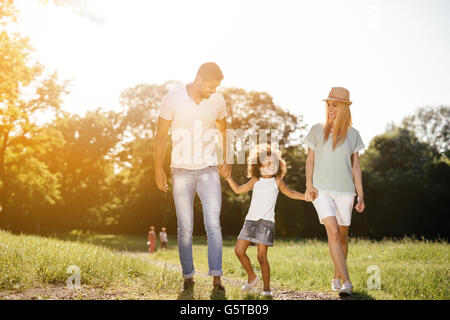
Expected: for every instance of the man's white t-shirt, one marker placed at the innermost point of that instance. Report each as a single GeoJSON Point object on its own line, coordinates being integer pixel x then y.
{"type": "Point", "coordinates": [194, 135]}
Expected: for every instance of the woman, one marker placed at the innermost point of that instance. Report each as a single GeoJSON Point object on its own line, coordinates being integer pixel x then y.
{"type": "Point", "coordinates": [332, 172]}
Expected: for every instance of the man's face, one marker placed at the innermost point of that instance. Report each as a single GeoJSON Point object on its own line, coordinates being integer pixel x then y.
{"type": "Point", "coordinates": [208, 87]}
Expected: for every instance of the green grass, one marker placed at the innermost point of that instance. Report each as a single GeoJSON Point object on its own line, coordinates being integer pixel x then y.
{"type": "Point", "coordinates": [28, 261]}
{"type": "Point", "coordinates": [409, 269]}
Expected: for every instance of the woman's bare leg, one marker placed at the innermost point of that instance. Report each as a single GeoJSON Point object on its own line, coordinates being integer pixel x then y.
{"type": "Point", "coordinates": [343, 231]}
{"type": "Point", "coordinates": [334, 244]}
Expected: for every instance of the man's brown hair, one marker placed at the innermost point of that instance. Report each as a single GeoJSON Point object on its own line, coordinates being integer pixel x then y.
{"type": "Point", "coordinates": [210, 71]}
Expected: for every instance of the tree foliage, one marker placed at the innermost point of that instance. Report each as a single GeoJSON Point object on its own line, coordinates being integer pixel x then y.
{"type": "Point", "coordinates": [25, 89]}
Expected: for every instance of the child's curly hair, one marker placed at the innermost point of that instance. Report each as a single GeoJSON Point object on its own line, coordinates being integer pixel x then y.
{"type": "Point", "coordinates": [258, 154]}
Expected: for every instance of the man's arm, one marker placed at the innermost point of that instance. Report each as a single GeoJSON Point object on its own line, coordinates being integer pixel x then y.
{"type": "Point", "coordinates": [221, 125]}
{"type": "Point", "coordinates": [159, 152]}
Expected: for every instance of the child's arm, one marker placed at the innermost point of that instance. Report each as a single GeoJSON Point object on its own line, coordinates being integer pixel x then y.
{"type": "Point", "coordinates": [241, 189]}
{"type": "Point", "coordinates": [289, 192]}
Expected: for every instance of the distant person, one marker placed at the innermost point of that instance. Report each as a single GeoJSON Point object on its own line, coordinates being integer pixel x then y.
{"type": "Point", "coordinates": [332, 172]}
{"type": "Point", "coordinates": [266, 170]}
{"type": "Point", "coordinates": [151, 239]}
{"type": "Point", "coordinates": [163, 239]}
{"type": "Point", "coordinates": [194, 112]}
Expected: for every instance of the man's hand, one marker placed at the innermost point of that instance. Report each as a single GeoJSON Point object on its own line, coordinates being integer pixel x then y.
{"type": "Point", "coordinates": [161, 180]}
{"type": "Point", "coordinates": [225, 170]}
{"type": "Point", "coordinates": [312, 196]}
{"type": "Point", "coordinates": [360, 206]}
{"type": "Point", "coordinates": [311, 193]}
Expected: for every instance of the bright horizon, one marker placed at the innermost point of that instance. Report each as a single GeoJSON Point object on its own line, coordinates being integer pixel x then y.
{"type": "Point", "coordinates": [391, 55]}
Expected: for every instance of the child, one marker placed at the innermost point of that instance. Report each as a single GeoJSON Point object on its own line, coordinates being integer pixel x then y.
{"type": "Point", "coordinates": [151, 240]}
{"type": "Point", "coordinates": [163, 239]}
{"type": "Point", "coordinates": [266, 169]}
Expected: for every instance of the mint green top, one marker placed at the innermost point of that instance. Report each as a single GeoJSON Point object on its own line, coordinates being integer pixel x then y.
{"type": "Point", "coordinates": [333, 169]}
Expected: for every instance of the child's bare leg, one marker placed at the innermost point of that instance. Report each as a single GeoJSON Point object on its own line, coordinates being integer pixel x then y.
{"type": "Point", "coordinates": [264, 263]}
{"type": "Point", "coordinates": [240, 250]}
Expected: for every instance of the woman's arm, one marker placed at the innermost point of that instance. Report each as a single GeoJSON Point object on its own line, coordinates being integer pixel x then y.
{"type": "Point", "coordinates": [244, 188]}
{"type": "Point", "coordinates": [357, 178]}
{"type": "Point", "coordinates": [309, 168]}
{"type": "Point", "coordinates": [289, 192]}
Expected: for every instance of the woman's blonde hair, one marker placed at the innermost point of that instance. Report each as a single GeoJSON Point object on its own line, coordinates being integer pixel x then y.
{"type": "Point", "coordinates": [341, 125]}
{"type": "Point", "coordinates": [258, 154]}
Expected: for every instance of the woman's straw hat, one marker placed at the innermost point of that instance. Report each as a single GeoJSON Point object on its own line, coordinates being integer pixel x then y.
{"type": "Point", "coordinates": [339, 94]}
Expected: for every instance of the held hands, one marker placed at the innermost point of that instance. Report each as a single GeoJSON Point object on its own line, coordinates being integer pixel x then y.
{"type": "Point", "coordinates": [311, 193]}
{"type": "Point", "coordinates": [310, 197]}
{"type": "Point", "coordinates": [225, 170]}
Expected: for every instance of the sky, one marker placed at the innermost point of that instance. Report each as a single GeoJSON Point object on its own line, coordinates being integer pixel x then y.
{"type": "Point", "coordinates": [392, 55]}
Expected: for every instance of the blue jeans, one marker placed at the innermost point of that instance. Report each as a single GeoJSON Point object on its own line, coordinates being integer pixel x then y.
{"type": "Point", "coordinates": [206, 182]}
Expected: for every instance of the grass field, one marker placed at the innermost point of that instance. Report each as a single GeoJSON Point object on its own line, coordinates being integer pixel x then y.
{"type": "Point", "coordinates": [118, 264]}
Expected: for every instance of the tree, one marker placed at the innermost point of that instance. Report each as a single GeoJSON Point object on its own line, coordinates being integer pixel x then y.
{"type": "Point", "coordinates": [87, 168]}
{"type": "Point", "coordinates": [251, 111]}
{"type": "Point", "coordinates": [21, 73]}
{"type": "Point", "coordinates": [401, 187]}
{"type": "Point", "coordinates": [143, 203]}
{"type": "Point", "coordinates": [140, 106]}
{"type": "Point", "coordinates": [432, 126]}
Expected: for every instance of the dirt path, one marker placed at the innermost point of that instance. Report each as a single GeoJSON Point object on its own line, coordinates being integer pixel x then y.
{"type": "Point", "coordinates": [62, 292]}
{"type": "Point", "coordinates": [279, 293]}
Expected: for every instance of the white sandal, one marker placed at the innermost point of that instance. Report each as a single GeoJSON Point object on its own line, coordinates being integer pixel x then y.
{"type": "Point", "coordinates": [247, 286]}
{"type": "Point", "coordinates": [267, 294]}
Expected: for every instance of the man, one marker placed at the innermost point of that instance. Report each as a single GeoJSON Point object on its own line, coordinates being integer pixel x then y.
{"type": "Point", "coordinates": [194, 112]}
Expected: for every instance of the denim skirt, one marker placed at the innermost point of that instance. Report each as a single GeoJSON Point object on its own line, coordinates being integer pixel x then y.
{"type": "Point", "coordinates": [261, 231]}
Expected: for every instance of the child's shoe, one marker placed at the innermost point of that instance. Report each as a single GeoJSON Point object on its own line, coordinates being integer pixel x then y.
{"type": "Point", "coordinates": [267, 294]}
{"type": "Point", "coordinates": [247, 286]}
{"type": "Point", "coordinates": [335, 285]}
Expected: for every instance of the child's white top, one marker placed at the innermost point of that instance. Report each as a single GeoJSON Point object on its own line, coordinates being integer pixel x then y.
{"type": "Point", "coordinates": [264, 198]}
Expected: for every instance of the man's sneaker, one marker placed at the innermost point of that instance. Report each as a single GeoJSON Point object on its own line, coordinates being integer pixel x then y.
{"type": "Point", "coordinates": [346, 289]}
{"type": "Point", "coordinates": [267, 294]}
{"type": "Point", "coordinates": [247, 286]}
{"type": "Point", "coordinates": [335, 285]}
{"type": "Point", "coordinates": [218, 288]}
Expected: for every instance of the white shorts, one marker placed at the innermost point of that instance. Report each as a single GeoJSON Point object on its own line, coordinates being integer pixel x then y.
{"type": "Point", "coordinates": [331, 204]}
